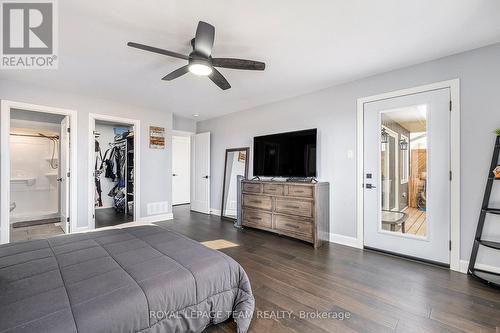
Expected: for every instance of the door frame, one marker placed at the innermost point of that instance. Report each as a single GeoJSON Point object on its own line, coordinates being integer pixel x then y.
{"type": "Point", "coordinates": [6, 106]}
{"type": "Point", "coordinates": [91, 162]}
{"type": "Point", "coordinates": [454, 86]}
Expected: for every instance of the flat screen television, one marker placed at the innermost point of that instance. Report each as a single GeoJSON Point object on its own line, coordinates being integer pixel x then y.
{"type": "Point", "coordinates": [291, 154]}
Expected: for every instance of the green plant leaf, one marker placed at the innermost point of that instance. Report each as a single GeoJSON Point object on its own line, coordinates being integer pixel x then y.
{"type": "Point", "coordinates": [497, 131]}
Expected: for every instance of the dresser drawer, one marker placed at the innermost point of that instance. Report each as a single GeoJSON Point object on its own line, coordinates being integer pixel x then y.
{"type": "Point", "coordinates": [294, 207]}
{"type": "Point", "coordinates": [252, 187]}
{"type": "Point", "coordinates": [293, 224]}
{"type": "Point", "coordinates": [257, 201]}
{"type": "Point", "coordinates": [276, 189]}
{"type": "Point", "coordinates": [300, 191]}
{"type": "Point", "coordinates": [256, 218]}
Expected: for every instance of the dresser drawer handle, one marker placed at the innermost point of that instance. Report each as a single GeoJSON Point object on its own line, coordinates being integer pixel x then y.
{"type": "Point", "coordinates": [292, 207]}
{"type": "Point", "coordinates": [292, 225]}
{"type": "Point", "coordinates": [299, 191]}
{"type": "Point", "coordinates": [256, 218]}
{"type": "Point", "coordinates": [256, 201]}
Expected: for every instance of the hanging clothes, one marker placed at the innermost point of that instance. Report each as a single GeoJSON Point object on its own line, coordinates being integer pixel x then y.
{"type": "Point", "coordinates": [115, 170]}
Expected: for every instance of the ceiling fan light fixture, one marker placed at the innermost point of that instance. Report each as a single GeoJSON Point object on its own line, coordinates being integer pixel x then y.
{"type": "Point", "coordinates": [200, 69]}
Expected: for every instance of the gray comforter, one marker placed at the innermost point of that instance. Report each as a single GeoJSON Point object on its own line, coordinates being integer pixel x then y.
{"type": "Point", "coordinates": [139, 279]}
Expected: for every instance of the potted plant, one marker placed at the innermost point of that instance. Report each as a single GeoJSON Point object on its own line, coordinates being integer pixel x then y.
{"type": "Point", "coordinates": [497, 131]}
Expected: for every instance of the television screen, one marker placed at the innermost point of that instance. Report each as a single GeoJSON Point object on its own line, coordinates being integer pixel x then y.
{"type": "Point", "coordinates": [291, 154]}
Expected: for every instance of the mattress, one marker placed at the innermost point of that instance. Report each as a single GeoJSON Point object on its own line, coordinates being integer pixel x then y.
{"type": "Point", "coordinates": [137, 279]}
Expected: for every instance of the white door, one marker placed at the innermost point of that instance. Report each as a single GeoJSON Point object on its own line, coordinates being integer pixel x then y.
{"type": "Point", "coordinates": [200, 166]}
{"type": "Point", "coordinates": [407, 184]}
{"type": "Point", "coordinates": [181, 170]}
{"type": "Point", "coordinates": [64, 174]}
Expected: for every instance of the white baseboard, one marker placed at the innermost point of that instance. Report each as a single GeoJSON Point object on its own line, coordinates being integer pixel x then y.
{"type": "Point", "coordinates": [464, 265]}
{"type": "Point", "coordinates": [214, 211]}
{"type": "Point", "coordinates": [156, 218]}
{"type": "Point", "coordinates": [345, 240]}
{"type": "Point", "coordinates": [34, 217]}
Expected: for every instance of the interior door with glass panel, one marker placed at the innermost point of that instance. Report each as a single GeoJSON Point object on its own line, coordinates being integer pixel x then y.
{"type": "Point", "coordinates": [406, 175]}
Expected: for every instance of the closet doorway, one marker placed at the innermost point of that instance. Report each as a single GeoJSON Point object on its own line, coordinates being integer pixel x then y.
{"type": "Point", "coordinates": [113, 170]}
{"type": "Point", "coordinates": [37, 182]}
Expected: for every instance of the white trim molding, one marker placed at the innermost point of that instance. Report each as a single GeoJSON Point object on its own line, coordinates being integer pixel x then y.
{"type": "Point", "coordinates": [91, 161]}
{"type": "Point", "coordinates": [345, 240]}
{"type": "Point", "coordinates": [5, 108]}
{"type": "Point", "coordinates": [156, 218]}
{"type": "Point", "coordinates": [214, 211]}
{"type": "Point", "coordinates": [454, 86]}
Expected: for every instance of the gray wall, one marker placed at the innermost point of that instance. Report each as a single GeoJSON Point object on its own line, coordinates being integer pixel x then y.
{"type": "Point", "coordinates": [184, 124]}
{"type": "Point", "coordinates": [155, 164]}
{"type": "Point", "coordinates": [333, 112]}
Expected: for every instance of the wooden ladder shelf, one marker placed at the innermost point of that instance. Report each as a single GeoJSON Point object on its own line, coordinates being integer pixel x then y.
{"type": "Point", "coordinates": [491, 278]}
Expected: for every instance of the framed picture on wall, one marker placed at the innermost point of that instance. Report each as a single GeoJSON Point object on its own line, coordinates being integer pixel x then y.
{"type": "Point", "coordinates": [156, 137]}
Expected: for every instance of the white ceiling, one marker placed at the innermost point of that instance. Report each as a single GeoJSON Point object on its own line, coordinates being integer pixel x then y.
{"type": "Point", "coordinates": [307, 45]}
{"type": "Point", "coordinates": [412, 118]}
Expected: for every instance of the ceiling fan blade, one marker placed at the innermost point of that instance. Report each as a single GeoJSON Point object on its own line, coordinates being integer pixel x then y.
{"type": "Point", "coordinates": [238, 64]}
{"type": "Point", "coordinates": [204, 39]}
{"type": "Point", "coordinates": [175, 74]}
{"type": "Point", "coordinates": [219, 80]}
{"type": "Point", "coordinates": [157, 50]}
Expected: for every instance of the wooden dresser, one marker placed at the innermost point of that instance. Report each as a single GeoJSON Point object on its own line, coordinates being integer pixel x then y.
{"type": "Point", "coordinates": [298, 210]}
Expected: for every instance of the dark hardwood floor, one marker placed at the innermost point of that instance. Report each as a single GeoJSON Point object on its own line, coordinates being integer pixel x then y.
{"type": "Point", "coordinates": [380, 293]}
{"type": "Point", "coordinates": [106, 217]}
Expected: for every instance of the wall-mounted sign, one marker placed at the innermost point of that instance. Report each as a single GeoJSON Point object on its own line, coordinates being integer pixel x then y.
{"type": "Point", "coordinates": [156, 137]}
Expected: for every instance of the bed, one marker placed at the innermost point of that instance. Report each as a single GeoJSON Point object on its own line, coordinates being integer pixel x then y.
{"type": "Point", "coordinates": [137, 279]}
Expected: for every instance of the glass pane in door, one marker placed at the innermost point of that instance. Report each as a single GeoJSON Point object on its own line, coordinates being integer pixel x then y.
{"type": "Point", "coordinates": [403, 171]}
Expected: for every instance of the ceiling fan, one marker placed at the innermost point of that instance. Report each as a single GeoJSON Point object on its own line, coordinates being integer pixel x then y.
{"type": "Point", "coordinates": [200, 61]}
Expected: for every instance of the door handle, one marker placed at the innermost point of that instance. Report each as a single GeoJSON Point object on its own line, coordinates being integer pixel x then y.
{"type": "Point", "coordinates": [59, 179]}
{"type": "Point", "coordinates": [174, 174]}
{"type": "Point", "coordinates": [369, 186]}
{"type": "Point", "coordinates": [206, 177]}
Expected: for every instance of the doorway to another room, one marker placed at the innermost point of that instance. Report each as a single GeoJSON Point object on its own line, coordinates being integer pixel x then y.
{"type": "Point", "coordinates": [36, 173]}
{"type": "Point", "coordinates": [191, 170]}
{"type": "Point", "coordinates": [114, 172]}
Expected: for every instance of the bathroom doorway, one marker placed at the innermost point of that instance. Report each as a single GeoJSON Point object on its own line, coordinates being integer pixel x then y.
{"type": "Point", "coordinates": [36, 175]}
